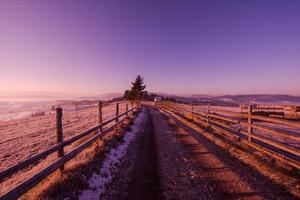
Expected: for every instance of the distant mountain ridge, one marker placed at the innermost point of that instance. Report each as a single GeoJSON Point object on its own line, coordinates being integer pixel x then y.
{"type": "Point", "coordinates": [261, 98]}
{"type": "Point", "coordinates": [226, 99]}
{"type": "Point", "coordinates": [106, 96]}
{"type": "Point", "coordinates": [278, 99]}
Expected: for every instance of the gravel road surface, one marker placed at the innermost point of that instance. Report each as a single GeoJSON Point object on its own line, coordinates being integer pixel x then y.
{"type": "Point", "coordinates": [168, 160]}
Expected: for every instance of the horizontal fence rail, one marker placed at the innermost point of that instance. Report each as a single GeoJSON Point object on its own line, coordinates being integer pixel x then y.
{"type": "Point", "coordinates": [26, 185]}
{"type": "Point", "coordinates": [248, 128]}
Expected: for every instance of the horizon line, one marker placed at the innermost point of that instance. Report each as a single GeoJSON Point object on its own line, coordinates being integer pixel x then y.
{"type": "Point", "coordinates": [35, 92]}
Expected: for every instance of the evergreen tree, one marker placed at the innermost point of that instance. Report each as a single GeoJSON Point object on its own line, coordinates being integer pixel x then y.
{"type": "Point", "coordinates": [137, 91]}
{"type": "Point", "coordinates": [138, 88]}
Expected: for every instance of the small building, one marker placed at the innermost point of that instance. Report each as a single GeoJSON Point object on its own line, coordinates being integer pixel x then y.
{"type": "Point", "coordinates": [284, 111]}
{"type": "Point", "coordinates": [292, 112]}
{"type": "Point", "coordinates": [157, 99]}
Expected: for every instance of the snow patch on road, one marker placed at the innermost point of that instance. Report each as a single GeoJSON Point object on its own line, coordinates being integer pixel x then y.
{"type": "Point", "coordinates": [113, 159]}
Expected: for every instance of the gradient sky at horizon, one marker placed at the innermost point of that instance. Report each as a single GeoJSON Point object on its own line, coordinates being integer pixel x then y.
{"type": "Point", "coordinates": [179, 47]}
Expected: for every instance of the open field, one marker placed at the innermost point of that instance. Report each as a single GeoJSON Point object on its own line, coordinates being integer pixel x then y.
{"type": "Point", "coordinates": [160, 156]}
{"type": "Point", "coordinates": [39, 133]}
{"type": "Point", "coordinates": [234, 111]}
{"type": "Point", "coordinates": [22, 138]}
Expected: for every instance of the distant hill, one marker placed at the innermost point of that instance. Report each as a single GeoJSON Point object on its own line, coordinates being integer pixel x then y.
{"type": "Point", "coordinates": [196, 98]}
{"type": "Point", "coordinates": [261, 98]}
{"type": "Point", "coordinates": [199, 99]}
{"type": "Point", "coordinates": [104, 97]}
{"type": "Point", "coordinates": [239, 99]}
{"type": "Point", "coordinates": [200, 96]}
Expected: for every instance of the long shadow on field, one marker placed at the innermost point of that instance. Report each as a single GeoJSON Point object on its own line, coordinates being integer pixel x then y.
{"type": "Point", "coordinates": [263, 185]}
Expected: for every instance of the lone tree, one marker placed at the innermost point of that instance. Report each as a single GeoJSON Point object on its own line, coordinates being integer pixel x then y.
{"type": "Point", "coordinates": [137, 91]}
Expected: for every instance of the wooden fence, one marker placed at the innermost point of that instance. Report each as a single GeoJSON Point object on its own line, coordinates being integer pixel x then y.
{"type": "Point", "coordinates": [247, 128]}
{"type": "Point", "coordinates": [101, 130]}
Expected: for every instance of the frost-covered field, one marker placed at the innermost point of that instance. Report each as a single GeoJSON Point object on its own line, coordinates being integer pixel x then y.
{"type": "Point", "coordinates": [274, 126]}
{"type": "Point", "coordinates": [16, 110]}
{"type": "Point", "coordinates": [22, 138]}
{"type": "Point", "coordinates": [282, 128]}
{"type": "Point", "coordinates": [203, 108]}
{"type": "Point", "coordinates": [227, 108]}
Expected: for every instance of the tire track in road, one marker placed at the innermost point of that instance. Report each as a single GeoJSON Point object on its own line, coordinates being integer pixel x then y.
{"type": "Point", "coordinates": [145, 182]}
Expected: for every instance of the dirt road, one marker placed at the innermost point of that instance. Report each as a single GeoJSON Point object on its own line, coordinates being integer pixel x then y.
{"type": "Point", "coordinates": [192, 167]}
{"type": "Point", "coordinates": [168, 160]}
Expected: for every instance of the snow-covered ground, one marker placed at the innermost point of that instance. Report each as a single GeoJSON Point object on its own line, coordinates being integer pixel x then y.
{"type": "Point", "coordinates": [113, 159]}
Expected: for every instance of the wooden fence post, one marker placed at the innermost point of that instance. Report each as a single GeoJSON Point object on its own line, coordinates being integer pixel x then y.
{"type": "Point", "coordinates": [250, 129]}
{"type": "Point", "coordinates": [117, 112]}
{"type": "Point", "coordinates": [208, 112]}
{"type": "Point", "coordinates": [193, 112]}
{"type": "Point", "coordinates": [100, 105]}
{"type": "Point", "coordinates": [127, 109]}
{"type": "Point", "coordinates": [59, 133]}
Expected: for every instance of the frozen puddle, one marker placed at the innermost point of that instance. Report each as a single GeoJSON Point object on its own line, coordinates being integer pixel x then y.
{"type": "Point", "coordinates": [97, 182]}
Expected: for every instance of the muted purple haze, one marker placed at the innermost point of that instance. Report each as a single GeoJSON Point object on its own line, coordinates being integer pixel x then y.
{"type": "Point", "coordinates": [183, 47]}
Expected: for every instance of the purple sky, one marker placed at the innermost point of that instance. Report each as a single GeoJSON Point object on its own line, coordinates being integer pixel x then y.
{"type": "Point", "coordinates": [182, 47]}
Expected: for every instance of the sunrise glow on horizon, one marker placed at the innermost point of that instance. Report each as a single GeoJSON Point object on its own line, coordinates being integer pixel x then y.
{"type": "Point", "coordinates": [179, 47]}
